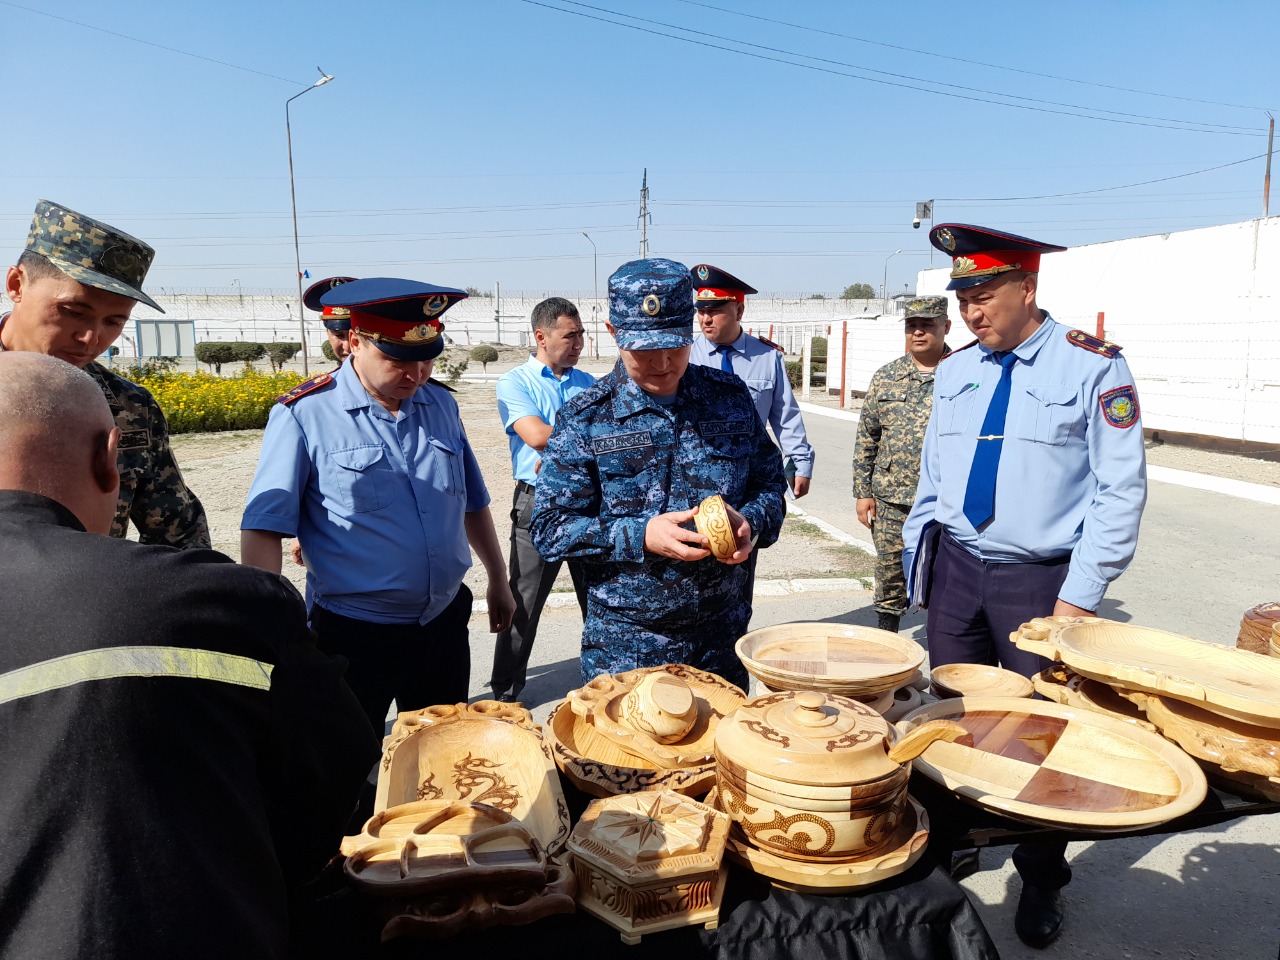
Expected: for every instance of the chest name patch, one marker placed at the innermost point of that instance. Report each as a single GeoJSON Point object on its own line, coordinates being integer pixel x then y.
{"type": "Point", "coordinates": [135, 439]}
{"type": "Point", "coordinates": [724, 428]}
{"type": "Point", "coordinates": [1120, 406]}
{"type": "Point", "coordinates": [622, 441]}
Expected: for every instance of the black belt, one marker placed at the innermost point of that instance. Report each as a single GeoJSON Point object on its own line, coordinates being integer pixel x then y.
{"type": "Point", "coordinates": [522, 487]}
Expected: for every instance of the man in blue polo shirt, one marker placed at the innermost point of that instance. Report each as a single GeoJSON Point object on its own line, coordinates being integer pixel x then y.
{"type": "Point", "coordinates": [371, 469]}
{"type": "Point", "coordinates": [528, 398]}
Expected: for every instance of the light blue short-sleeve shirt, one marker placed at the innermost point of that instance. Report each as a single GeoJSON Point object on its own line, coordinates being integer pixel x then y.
{"type": "Point", "coordinates": [533, 390]}
{"type": "Point", "coordinates": [377, 499]}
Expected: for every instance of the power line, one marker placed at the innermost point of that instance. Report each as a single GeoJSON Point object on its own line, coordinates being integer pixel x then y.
{"type": "Point", "coordinates": [149, 43]}
{"type": "Point", "coordinates": [973, 63]}
{"type": "Point", "coordinates": [1188, 126]}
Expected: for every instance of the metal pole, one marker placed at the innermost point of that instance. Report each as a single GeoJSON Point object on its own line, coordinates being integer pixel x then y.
{"type": "Point", "coordinates": [293, 201]}
{"type": "Point", "coordinates": [1266, 181]}
{"type": "Point", "coordinates": [884, 285]}
{"type": "Point", "coordinates": [595, 294]}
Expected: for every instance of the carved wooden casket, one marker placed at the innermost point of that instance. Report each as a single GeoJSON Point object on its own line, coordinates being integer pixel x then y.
{"type": "Point", "coordinates": [650, 861]}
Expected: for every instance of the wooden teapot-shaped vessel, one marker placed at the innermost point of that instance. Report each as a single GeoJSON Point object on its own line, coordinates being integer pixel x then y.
{"type": "Point", "coordinates": [816, 776]}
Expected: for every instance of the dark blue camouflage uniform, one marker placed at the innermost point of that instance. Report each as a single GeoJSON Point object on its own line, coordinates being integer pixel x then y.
{"type": "Point", "coordinates": [617, 458]}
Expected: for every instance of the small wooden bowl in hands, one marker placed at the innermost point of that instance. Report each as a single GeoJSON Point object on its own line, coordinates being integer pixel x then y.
{"type": "Point", "coordinates": [712, 521]}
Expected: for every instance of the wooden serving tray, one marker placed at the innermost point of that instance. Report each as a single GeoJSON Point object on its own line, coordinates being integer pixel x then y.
{"type": "Point", "coordinates": [1225, 680]}
{"type": "Point", "coordinates": [908, 844]}
{"type": "Point", "coordinates": [1233, 745]}
{"type": "Point", "coordinates": [601, 768]}
{"type": "Point", "coordinates": [602, 704]}
{"type": "Point", "coordinates": [1060, 685]}
{"type": "Point", "coordinates": [977, 680]}
{"type": "Point", "coordinates": [830, 658]}
{"type": "Point", "coordinates": [1062, 766]}
{"type": "Point", "coordinates": [486, 752]}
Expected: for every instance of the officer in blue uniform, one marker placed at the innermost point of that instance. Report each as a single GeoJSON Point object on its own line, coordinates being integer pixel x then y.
{"type": "Point", "coordinates": [720, 299]}
{"type": "Point", "coordinates": [371, 469]}
{"type": "Point", "coordinates": [336, 320]}
{"type": "Point", "coordinates": [628, 462]}
{"type": "Point", "coordinates": [1032, 485]}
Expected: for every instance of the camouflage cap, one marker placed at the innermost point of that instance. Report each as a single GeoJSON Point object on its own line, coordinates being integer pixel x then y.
{"type": "Point", "coordinates": [91, 252]}
{"type": "Point", "coordinates": [925, 307]}
{"type": "Point", "coordinates": [651, 305]}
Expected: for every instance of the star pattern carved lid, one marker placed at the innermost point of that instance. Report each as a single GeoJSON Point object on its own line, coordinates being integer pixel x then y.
{"type": "Point", "coordinates": [653, 827]}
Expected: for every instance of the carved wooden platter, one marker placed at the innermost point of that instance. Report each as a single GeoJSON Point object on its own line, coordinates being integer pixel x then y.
{"type": "Point", "coordinates": [1225, 680]}
{"type": "Point", "coordinates": [830, 658]}
{"type": "Point", "coordinates": [486, 752]}
{"type": "Point", "coordinates": [601, 768]}
{"type": "Point", "coordinates": [1062, 766]}
{"type": "Point", "coordinates": [1060, 685]}
{"type": "Point", "coordinates": [627, 709]}
{"type": "Point", "coordinates": [977, 680]}
{"type": "Point", "coordinates": [1233, 745]}
{"type": "Point", "coordinates": [905, 847]}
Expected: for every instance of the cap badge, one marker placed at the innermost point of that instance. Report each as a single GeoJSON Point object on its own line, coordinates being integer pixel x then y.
{"type": "Point", "coordinates": [946, 239]}
{"type": "Point", "coordinates": [123, 263]}
{"type": "Point", "coordinates": [651, 305]}
{"type": "Point", "coordinates": [336, 282]}
{"type": "Point", "coordinates": [433, 305]}
{"type": "Point", "coordinates": [338, 313]}
{"type": "Point", "coordinates": [962, 267]}
{"type": "Point", "coordinates": [703, 273]}
{"type": "Point", "coordinates": [422, 333]}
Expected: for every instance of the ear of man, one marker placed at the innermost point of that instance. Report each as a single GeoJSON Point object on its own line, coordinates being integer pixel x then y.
{"type": "Point", "coordinates": [104, 464]}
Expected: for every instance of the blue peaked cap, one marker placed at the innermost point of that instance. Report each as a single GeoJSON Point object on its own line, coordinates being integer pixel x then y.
{"type": "Point", "coordinates": [651, 305]}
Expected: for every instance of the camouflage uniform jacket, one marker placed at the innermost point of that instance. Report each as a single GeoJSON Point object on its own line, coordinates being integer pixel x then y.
{"type": "Point", "coordinates": [895, 412]}
{"type": "Point", "coordinates": [617, 458]}
{"type": "Point", "coordinates": [152, 493]}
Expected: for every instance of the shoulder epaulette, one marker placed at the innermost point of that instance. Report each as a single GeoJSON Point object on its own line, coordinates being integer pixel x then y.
{"type": "Point", "coordinates": [957, 350]}
{"type": "Point", "coordinates": [305, 387]}
{"type": "Point", "coordinates": [1085, 341]}
{"type": "Point", "coordinates": [769, 343]}
{"type": "Point", "coordinates": [441, 385]}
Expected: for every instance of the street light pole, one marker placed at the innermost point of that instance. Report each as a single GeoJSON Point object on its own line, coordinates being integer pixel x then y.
{"type": "Point", "coordinates": [595, 294]}
{"type": "Point", "coordinates": [293, 200]}
{"type": "Point", "coordinates": [884, 286]}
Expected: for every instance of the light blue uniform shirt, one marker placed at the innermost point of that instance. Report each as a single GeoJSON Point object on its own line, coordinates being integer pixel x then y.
{"type": "Point", "coordinates": [761, 367]}
{"type": "Point", "coordinates": [532, 390]}
{"type": "Point", "coordinates": [1069, 481]}
{"type": "Point", "coordinates": [377, 499]}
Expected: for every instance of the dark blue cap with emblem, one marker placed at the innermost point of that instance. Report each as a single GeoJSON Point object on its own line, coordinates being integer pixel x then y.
{"type": "Point", "coordinates": [401, 316]}
{"type": "Point", "coordinates": [651, 305]}
{"type": "Point", "coordinates": [337, 319]}
{"type": "Point", "coordinates": [980, 254]}
{"type": "Point", "coordinates": [713, 285]}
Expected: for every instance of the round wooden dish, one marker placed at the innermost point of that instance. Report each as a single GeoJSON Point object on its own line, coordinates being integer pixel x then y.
{"type": "Point", "coordinates": [1063, 766]}
{"type": "Point", "coordinates": [712, 521]}
{"type": "Point", "coordinates": [977, 680]}
{"type": "Point", "coordinates": [1060, 685]}
{"type": "Point", "coordinates": [904, 847]}
{"type": "Point", "coordinates": [830, 658]}
{"type": "Point", "coordinates": [599, 767]}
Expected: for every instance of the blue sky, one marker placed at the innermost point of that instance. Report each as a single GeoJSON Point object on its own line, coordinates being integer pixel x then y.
{"type": "Point", "coordinates": [470, 142]}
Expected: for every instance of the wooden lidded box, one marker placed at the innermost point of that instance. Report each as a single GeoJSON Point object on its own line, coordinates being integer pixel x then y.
{"type": "Point", "coordinates": [650, 861]}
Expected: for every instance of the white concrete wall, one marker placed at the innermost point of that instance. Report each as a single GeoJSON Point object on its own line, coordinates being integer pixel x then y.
{"type": "Point", "coordinates": [1198, 316]}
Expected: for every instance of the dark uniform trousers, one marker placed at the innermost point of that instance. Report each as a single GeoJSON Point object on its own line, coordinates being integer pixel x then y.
{"type": "Point", "coordinates": [531, 580]}
{"type": "Point", "coordinates": [416, 665]}
{"type": "Point", "coordinates": [973, 608]}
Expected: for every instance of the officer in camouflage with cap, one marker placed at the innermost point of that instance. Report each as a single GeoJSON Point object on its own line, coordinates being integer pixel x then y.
{"type": "Point", "coordinates": [73, 289]}
{"type": "Point", "coordinates": [628, 462]}
{"type": "Point", "coordinates": [886, 462]}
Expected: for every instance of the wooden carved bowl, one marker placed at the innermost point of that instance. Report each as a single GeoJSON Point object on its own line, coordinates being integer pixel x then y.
{"type": "Point", "coordinates": [1063, 766]}
{"type": "Point", "coordinates": [977, 680]}
{"type": "Point", "coordinates": [830, 658]}
{"type": "Point", "coordinates": [712, 521]}
{"type": "Point", "coordinates": [662, 706]}
{"type": "Point", "coordinates": [486, 752]}
{"type": "Point", "coordinates": [601, 768]}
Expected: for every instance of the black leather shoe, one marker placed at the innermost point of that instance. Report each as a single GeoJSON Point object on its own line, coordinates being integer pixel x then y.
{"type": "Point", "coordinates": [888, 621]}
{"type": "Point", "coordinates": [964, 863]}
{"type": "Point", "coordinates": [508, 697]}
{"type": "Point", "coordinates": [1039, 918]}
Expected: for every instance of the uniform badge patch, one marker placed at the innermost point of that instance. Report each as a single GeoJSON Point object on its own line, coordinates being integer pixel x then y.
{"type": "Point", "coordinates": [651, 305]}
{"type": "Point", "coordinates": [703, 273]}
{"type": "Point", "coordinates": [622, 441]}
{"type": "Point", "coordinates": [946, 239]}
{"type": "Point", "coordinates": [723, 428]}
{"type": "Point", "coordinates": [135, 439]}
{"type": "Point", "coordinates": [1120, 406]}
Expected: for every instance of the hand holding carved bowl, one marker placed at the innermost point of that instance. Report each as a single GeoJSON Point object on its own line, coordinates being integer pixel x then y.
{"type": "Point", "coordinates": [662, 706]}
{"type": "Point", "coordinates": [712, 521]}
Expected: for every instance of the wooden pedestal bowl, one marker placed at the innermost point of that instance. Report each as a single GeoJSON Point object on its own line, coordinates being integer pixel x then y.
{"type": "Point", "coordinates": [712, 521]}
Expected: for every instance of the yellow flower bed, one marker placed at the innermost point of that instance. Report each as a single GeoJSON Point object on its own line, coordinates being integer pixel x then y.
{"type": "Point", "coordinates": [201, 402]}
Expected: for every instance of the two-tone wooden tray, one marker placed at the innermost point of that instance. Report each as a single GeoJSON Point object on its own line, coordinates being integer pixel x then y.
{"type": "Point", "coordinates": [1062, 766]}
{"type": "Point", "coordinates": [1224, 680]}
{"type": "Point", "coordinates": [830, 658]}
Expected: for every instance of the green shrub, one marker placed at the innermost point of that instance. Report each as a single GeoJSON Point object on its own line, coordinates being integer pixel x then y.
{"type": "Point", "coordinates": [281, 353]}
{"type": "Point", "coordinates": [484, 354]}
{"type": "Point", "coordinates": [215, 354]}
{"type": "Point", "coordinates": [451, 370]}
{"type": "Point", "coordinates": [154, 367]}
{"type": "Point", "coordinates": [795, 373]}
{"type": "Point", "coordinates": [247, 351]}
{"type": "Point", "coordinates": [819, 350]}
{"type": "Point", "coordinates": [327, 349]}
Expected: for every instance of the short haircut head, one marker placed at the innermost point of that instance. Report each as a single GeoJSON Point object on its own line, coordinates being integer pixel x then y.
{"type": "Point", "coordinates": [38, 267]}
{"type": "Point", "coordinates": [546, 314]}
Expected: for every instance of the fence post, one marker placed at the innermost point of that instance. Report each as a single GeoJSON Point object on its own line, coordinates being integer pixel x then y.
{"type": "Point", "coordinates": [1101, 328]}
{"type": "Point", "coordinates": [844, 361]}
{"type": "Point", "coordinates": [806, 360]}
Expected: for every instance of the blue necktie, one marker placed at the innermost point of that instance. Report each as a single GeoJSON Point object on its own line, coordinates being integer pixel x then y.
{"type": "Point", "coordinates": [725, 351]}
{"type": "Point", "coordinates": [980, 494]}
